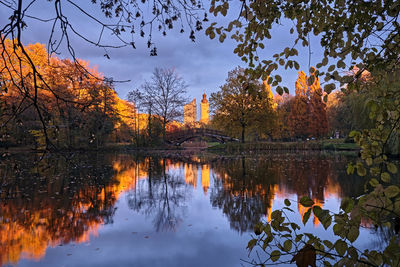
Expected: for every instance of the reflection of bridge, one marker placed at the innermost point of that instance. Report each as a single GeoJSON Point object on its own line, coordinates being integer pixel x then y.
{"type": "Point", "coordinates": [178, 137]}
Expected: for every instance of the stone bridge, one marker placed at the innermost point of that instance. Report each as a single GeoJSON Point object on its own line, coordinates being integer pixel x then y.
{"type": "Point", "coordinates": [178, 137]}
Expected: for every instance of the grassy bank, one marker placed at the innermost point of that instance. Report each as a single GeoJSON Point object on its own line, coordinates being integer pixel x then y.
{"type": "Point", "coordinates": [315, 145]}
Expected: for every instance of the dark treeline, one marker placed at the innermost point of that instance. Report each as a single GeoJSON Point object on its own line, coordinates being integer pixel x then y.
{"type": "Point", "coordinates": [247, 109]}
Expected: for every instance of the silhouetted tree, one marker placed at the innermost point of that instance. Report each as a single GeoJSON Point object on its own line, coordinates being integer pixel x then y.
{"type": "Point", "coordinates": [163, 95]}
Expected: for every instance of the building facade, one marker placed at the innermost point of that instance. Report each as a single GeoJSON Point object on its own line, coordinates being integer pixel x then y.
{"type": "Point", "coordinates": [190, 113]}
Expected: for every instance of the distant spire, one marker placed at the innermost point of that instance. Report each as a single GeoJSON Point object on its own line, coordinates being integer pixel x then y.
{"type": "Point", "coordinates": [204, 100]}
{"type": "Point", "coordinates": [204, 106]}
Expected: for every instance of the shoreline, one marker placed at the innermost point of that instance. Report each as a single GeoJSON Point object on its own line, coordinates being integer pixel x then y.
{"type": "Point", "coordinates": [235, 148]}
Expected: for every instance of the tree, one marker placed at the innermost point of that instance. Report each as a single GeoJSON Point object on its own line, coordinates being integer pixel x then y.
{"type": "Point", "coordinates": [348, 108]}
{"type": "Point", "coordinates": [308, 114]}
{"type": "Point", "coordinates": [319, 120]}
{"type": "Point", "coordinates": [284, 107]}
{"type": "Point", "coordinates": [163, 95]}
{"type": "Point", "coordinates": [379, 204]}
{"type": "Point", "coordinates": [122, 20]}
{"type": "Point", "coordinates": [78, 109]}
{"type": "Point", "coordinates": [362, 33]}
{"type": "Point", "coordinates": [299, 120]}
{"type": "Point", "coordinates": [144, 103]}
{"type": "Point", "coordinates": [240, 104]}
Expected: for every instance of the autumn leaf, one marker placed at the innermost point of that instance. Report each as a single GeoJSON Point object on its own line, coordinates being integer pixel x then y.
{"type": "Point", "coordinates": [305, 257]}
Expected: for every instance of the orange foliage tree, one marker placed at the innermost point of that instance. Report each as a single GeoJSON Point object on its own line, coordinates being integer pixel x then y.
{"type": "Point", "coordinates": [72, 105]}
{"type": "Point", "coordinates": [308, 113]}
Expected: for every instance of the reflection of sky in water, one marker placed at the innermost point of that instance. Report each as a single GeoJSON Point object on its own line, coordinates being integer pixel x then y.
{"type": "Point", "coordinates": [197, 215]}
{"type": "Point", "coordinates": [203, 238]}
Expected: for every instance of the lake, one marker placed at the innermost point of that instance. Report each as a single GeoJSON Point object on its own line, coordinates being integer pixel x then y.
{"type": "Point", "coordinates": [116, 209]}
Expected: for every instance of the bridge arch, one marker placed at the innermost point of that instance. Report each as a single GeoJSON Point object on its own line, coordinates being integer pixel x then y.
{"type": "Point", "coordinates": [178, 137]}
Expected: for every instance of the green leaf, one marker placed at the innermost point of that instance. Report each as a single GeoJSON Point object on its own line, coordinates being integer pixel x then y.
{"type": "Point", "coordinates": [373, 182]}
{"type": "Point", "coordinates": [347, 204]}
{"type": "Point", "coordinates": [212, 35]}
{"type": "Point", "coordinates": [326, 222]}
{"type": "Point", "coordinates": [353, 133]}
{"type": "Point", "coordinates": [329, 87]}
{"type": "Point", "coordinates": [350, 169]}
{"type": "Point", "coordinates": [258, 228]}
{"type": "Point", "coordinates": [385, 177]}
{"type": "Point", "coordinates": [294, 226]}
{"type": "Point", "coordinates": [327, 243]}
{"type": "Point", "coordinates": [251, 244]}
{"type": "Point", "coordinates": [317, 211]}
{"type": "Point", "coordinates": [353, 234]}
{"type": "Point", "coordinates": [391, 168]}
{"type": "Point", "coordinates": [222, 38]}
{"type": "Point", "coordinates": [392, 191]}
{"type": "Point", "coordinates": [311, 80]}
{"type": "Point", "coordinates": [306, 201]}
{"type": "Point", "coordinates": [361, 171]}
{"type": "Point", "coordinates": [306, 216]}
{"type": "Point", "coordinates": [275, 255]}
{"type": "Point", "coordinates": [287, 202]}
{"type": "Point", "coordinates": [287, 245]}
{"type": "Point", "coordinates": [341, 247]}
{"type": "Point", "coordinates": [352, 251]}
{"type": "Point", "coordinates": [298, 238]}
{"type": "Point", "coordinates": [331, 68]}
{"type": "Point", "coordinates": [276, 214]}
{"type": "Point", "coordinates": [325, 61]}
{"type": "Point", "coordinates": [337, 229]}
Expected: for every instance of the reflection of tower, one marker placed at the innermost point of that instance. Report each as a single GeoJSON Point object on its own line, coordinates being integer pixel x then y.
{"type": "Point", "coordinates": [273, 189]}
{"type": "Point", "coordinates": [205, 177]}
{"type": "Point", "coordinates": [303, 210]}
{"type": "Point", "coordinates": [204, 110]}
{"type": "Point", "coordinates": [191, 174]}
{"type": "Point", "coordinates": [190, 112]}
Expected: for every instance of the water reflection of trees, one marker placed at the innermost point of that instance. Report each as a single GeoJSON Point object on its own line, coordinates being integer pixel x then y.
{"type": "Point", "coordinates": [244, 188]}
{"type": "Point", "coordinates": [162, 196]}
{"type": "Point", "coordinates": [61, 200]}
{"type": "Point", "coordinates": [52, 202]}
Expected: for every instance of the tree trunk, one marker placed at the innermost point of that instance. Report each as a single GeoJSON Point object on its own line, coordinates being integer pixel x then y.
{"type": "Point", "coordinates": [164, 126]}
{"type": "Point", "coordinates": [243, 131]}
{"type": "Point", "coordinates": [149, 125]}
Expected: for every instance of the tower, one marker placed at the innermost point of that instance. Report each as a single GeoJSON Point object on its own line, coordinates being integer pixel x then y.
{"type": "Point", "coordinates": [204, 110]}
{"type": "Point", "coordinates": [190, 112]}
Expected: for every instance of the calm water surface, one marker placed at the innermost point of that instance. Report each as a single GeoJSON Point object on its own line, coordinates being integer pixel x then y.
{"type": "Point", "coordinates": [126, 210]}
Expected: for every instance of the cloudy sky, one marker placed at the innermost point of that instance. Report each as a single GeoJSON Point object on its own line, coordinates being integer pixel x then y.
{"type": "Point", "coordinates": [204, 64]}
